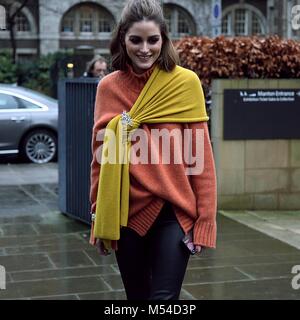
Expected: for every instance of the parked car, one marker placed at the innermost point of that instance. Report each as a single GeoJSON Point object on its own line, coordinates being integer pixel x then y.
{"type": "Point", "coordinates": [28, 124]}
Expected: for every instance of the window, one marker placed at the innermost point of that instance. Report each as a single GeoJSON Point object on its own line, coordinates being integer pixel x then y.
{"type": "Point", "coordinates": [256, 25]}
{"type": "Point", "coordinates": [22, 23]}
{"type": "Point", "coordinates": [183, 26]}
{"type": "Point", "coordinates": [68, 23]}
{"type": "Point", "coordinates": [7, 102]}
{"type": "Point", "coordinates": [24, 104]}
{"type": "Point", "coordinates": [240, 22]}
{"type": "Point", "coordinates": [179, 21]}
{"type": "Point", "coordinates": [104, 26]}
{"type": "Point", "coordinates": [87, 19]}
{"type": "Point", "coordinates": [168, 18]}
{"type": "Point", "coordinates": [243, 21]}
{"type": "Point", "coordinates": [225, 24]}
{"type": "Point", "coordinates": [2, 17]}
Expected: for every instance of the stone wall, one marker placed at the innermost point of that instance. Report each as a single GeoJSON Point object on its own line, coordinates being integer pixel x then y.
{"type": "Point", "coordinates": [254, 174]}
{"type": "Point", "coordinates": [52, 12]}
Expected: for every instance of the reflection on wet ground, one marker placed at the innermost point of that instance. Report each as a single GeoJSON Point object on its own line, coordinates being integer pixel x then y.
{"type": "Point", "coordinates": [47, 256]}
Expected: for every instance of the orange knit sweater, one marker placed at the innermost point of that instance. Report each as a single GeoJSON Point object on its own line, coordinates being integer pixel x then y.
{"type": "Point", "coordinates": [193, 197]}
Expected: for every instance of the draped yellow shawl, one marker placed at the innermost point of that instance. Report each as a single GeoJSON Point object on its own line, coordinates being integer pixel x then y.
{"type": "Point", "coordinates": [174, 96]}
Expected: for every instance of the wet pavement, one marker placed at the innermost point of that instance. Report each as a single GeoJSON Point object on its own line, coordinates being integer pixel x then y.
{"type": "Point", "coordinates": [47, 256]}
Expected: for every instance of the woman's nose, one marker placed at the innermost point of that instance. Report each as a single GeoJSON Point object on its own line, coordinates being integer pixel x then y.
{"type": "Point", "coordinates": [144, 47]}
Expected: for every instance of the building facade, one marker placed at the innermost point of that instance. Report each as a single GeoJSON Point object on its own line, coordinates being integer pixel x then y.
{"type": "Point", "coordinates": [84, 27]}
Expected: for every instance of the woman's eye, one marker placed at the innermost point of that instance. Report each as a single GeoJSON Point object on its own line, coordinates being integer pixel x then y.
{"type": "Point", "coordinates": [152, 41]}
{"type": "Point", "coordinates": [135, 41]}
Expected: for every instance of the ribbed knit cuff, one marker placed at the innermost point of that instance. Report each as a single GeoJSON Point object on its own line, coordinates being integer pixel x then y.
{"type": "Point", "coordinates": [205, 234]}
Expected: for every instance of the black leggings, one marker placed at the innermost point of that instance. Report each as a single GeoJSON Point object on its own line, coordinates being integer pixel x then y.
{"type": "Point", "coordinates": [153, 267]}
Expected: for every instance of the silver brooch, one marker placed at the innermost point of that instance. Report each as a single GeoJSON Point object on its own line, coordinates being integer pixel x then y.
{"type": "Point", "coordinates": [126, 119]}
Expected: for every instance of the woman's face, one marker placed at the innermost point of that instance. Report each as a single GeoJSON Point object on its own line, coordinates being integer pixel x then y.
{"type": "Point", "coordinates": [143, 43]}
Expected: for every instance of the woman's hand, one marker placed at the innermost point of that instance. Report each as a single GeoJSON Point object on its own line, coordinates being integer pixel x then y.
{"type": "Point", "coordinates": [101, 248]}
{"type": "Point", "coordinates": [198, 249]}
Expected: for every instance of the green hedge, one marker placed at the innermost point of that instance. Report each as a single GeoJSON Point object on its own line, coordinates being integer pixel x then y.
{"type": "Point", "coordinates": [8, 71]}
{"type": "Point", "coordinates": [41, 74]}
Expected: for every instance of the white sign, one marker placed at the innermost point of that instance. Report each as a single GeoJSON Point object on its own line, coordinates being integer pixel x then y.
{"type": "Point", "coordinates": [2, 278]}
{"type": "Point", "coordinates": [216, 17]}
{"type": "Point", "coordinates": [269, 96]}
{"type": "Point", "coordinates": [2, 18]}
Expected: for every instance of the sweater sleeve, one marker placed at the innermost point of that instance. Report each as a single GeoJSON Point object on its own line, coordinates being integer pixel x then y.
{"type": "Point", "coordinates": [204, 185]}
{"type": "Point", "coordinates": [103, 113]}
{"type": "Point", "coordinates": [95, 145]}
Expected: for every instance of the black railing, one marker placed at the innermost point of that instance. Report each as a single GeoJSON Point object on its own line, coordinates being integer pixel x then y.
{"type": "Point", "coordinates": [76, 112]}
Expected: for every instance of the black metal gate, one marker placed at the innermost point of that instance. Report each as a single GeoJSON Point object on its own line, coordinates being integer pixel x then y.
{"type": "Point", "coordinates": [76, 113]}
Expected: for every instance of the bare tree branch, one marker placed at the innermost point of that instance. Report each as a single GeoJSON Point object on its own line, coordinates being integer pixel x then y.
{"type": "Point", "coordinates": [19, 9]}
{"type": "Point", "coordinates": [11, 24]}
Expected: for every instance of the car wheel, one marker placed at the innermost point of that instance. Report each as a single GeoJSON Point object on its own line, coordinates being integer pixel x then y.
{"type": "Point", "coordinates": [39, 146]}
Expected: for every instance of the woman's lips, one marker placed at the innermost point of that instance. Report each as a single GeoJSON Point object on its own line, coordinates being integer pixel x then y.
{"type": "Point", "coordinates": [144, 58]}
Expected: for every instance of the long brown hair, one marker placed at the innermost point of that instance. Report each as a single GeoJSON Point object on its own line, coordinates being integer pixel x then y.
{"type": "Point", "coordinates": [135, 11]}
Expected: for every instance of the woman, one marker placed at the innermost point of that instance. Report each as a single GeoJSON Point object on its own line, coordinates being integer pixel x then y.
{"type": "Point", "coordinates": [144, 210]}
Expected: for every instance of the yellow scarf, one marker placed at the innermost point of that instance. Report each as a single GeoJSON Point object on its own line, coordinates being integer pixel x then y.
{"type": "Point", "coordinates": [174, 96]}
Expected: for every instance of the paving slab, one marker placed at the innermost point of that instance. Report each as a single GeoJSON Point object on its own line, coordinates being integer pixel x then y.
{"type": "Point", "coordinates": [281, 225]}
{"type": "Point", "coordinates": [47, 255]}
